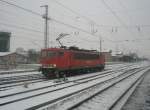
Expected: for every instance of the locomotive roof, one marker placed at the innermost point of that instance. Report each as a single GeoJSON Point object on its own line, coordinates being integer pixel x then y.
{"type": "Point", "coordinates": [70, 49]}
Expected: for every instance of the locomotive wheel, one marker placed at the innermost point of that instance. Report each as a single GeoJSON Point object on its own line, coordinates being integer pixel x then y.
{"type": "Point", "coordinates": [45, 73]}
{"type": "Point", "coordinates": [57, 74]}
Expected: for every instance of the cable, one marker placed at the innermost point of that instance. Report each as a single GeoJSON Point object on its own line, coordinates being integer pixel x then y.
{"type": "Point", "coordinates": [124, 25]}
{"type": "Point", "coordinates": [117, 17]}
{"type": "Point", "coordinates": [16, 14]}
{"type": "Point", "coordinates": [114, 13]}
{"type": "Point", "coordinates": [20, 27]}
{"type": "Point", "coordinates": [57, 21]}
{"type": "Point", "coordinates": [72, 11]}
{"type": "Point", "coordinates": [17, 6]}
{"type": "Point", "coordinates": [82, 16]}
{"type": "Point", "coordinates": [35, 13]}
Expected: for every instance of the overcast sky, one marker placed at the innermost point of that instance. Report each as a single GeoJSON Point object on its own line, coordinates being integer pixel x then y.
{"type": "Point", "coordinates": [122, 24]}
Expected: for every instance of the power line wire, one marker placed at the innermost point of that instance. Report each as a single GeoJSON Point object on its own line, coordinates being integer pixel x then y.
{"type": "Point", "coordinates": [82, 16]}
{"type": "Point", "coordinates": [20, 24]}
{"type": "Point", "coordinates": [25, 9]}
{"type": "Point", "coordinates": [20, 27]}
{"type": "Point", "coordinates": [35, 13]}
{"type": "Point", "coordinates": [60, 22]}
{"type": "Point", "coordinates": [117, 17]}
{"type": "Point", "coordinates": [12, 14]}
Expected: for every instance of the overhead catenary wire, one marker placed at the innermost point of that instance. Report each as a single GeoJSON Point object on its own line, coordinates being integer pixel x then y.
{"type": "Point", "coordinates": [90, 20]}
{"type": "Point", "coordinates": [60, 22]}
{"type": "Point", "coordinates": [19, 24]}
{"type": "Point", "coordinates": [37, 14]}
{"type": "Point", "coordinates": [53, 19]}
{"type": "Point", "coordinates": [20, 27]}
{"type": "Point", "coordinates": [25, 9]}
{"type": "Point", "coordinates": [82, 16]}
{"type": "Point", "coordinates": [28, 29]}
{"type": "Point", "coordinates": [138, 27]}
{"type": "Point", "coordinates": [12, 15]}
{"type": "Point", "coordinates": [116, 16]}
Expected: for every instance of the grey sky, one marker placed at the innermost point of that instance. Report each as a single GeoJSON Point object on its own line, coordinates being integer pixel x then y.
{"type": "Point", "coordinates": [124, 28]}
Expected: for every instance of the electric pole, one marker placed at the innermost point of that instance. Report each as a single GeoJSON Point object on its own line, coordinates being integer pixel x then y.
{"type": "Point", "coordinates": [45, 16]}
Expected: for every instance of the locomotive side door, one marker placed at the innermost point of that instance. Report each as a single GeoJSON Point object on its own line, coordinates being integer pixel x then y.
{"type": "Point", "coordinates": [69, 60]}
{"type": "Point", "coordinates": [64, 60]}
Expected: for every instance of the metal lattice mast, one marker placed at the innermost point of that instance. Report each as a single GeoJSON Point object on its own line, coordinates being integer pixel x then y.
{"type": "Point", "coordinates": [45, 16]}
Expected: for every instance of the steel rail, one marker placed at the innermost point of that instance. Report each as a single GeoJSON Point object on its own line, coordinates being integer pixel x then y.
{"type": "Point", "coordinates": [94, 95]}
{"type": "Point", "coordinates": [71, 94]}
{"type": "Point", "coordinates": [5, 103]}
{"type": "Point", "coordinates": [80, 79]}
{"type": "Point", "coordinates": [136, 83]}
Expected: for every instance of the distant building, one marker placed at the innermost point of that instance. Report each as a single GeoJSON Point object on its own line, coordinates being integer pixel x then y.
{"type": "Point", "coordinates": [108, 56]}
{"type": "Point", "coordinates": [11, 59]}
{"type": "Point", "coordinates": [117, 57]}
{"type": "Point", "coordinates": [5, 41]}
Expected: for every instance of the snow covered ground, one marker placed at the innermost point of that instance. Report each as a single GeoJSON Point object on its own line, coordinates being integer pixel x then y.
{"type": "Point", "coordinates": [140, 99]}
{"type": "Point", "coordinates": [51, 82]}
{"type": "Point", "coordinates": [29, 102]}
{"type": "Point", "coordinates": [19, 74]}
{"type": "Point", "coordinates": [46, 97]}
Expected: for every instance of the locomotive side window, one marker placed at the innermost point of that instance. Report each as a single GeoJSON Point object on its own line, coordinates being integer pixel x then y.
{"type": "Point", "coordinates": [51, 54]}
{"type": "Point", "coordinates": [44, 54]}
{"type": "Point", "coordinates": [60, 53]}
{"type": "Point", "coordinates": [86, 56]}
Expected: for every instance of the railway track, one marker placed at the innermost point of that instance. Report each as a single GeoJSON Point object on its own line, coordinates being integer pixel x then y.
{"type": "Point", "coordinates": [82, 77]}
{"type": "Point", "coordinates": [105, 101]}
{"type": "Point", "coordinates": [77, 99]}
{"type": "Point", "coordinates": [12, 86]}
{"type": "Point", "coordinates": [20, 78]}
{"type": "Point", "coordinates": [6, 83]}
{"type": "Point", "coordinates": [122, 99]}
{"type": "Point", "coordinates": [16, 71]}
{"type": "Point", "coordinates": [28, 97]}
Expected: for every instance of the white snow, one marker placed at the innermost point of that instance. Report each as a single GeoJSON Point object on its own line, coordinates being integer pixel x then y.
{"type": "Point", "coordinates": [54, 95]}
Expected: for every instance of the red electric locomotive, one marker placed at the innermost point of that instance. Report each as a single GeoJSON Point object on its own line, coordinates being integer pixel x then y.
{"type": "Point", "coordinates": [60, 61]}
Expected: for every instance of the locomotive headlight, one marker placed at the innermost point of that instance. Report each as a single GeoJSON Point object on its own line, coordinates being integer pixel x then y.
{"type": "Point", "coordinates": [54, 65]}
{"type": "Point", "coordinates": [51, 65]}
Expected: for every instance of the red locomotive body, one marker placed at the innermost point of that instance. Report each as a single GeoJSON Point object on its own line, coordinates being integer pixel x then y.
{"type": "Point", "coordinates": [58, 61]}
